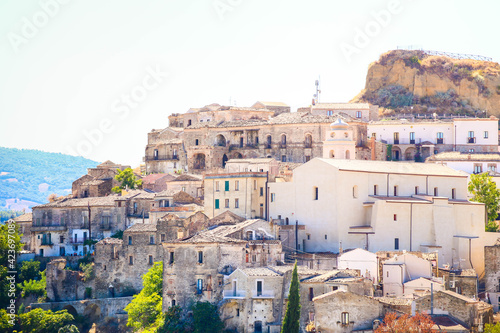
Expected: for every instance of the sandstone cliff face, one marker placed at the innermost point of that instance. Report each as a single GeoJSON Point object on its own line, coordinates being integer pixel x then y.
{"type": "Point", "coordinates": [473, 85]}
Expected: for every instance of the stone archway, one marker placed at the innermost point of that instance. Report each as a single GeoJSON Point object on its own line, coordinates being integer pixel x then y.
{"type": "Point", "coordinates": [92, 312]}
{"type": "Point", "coordinates": [199, 161]}
{"type": "Point", "coordinates": [71, 310]}
{"type": "Point", "coordinates": [237, 155]}
{"type": "Point", "coordinates": [410, 153]}
{"type": "Point", "coordinates": [396, 154]}
{"type": "Point", "coordinates": [220, 140]}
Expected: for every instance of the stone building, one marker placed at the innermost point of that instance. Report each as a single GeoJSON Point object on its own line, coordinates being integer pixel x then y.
{"type": "Point", "coordinates": [98, 182]}
{"type": "Point", "coordinates": [492, 273]}
{"type": "Point", "coordinates": [471, 313]}
{"type": "Point", "coordinates": [24, 223]}
{"type": "Point", "coordinates": [243, 193]}
{"type": "Point", "coordinates": [171, 201]}
{"type": "Point", "coordinates": [156, 182]}
{"type": "Point", "coordinates": [212, 135]}
{"type": "Point", "coordinates": [462, 281]}
{"type": "Point", "coordinates": [362, 111]}
{"type": "Point", "coordinates": [191, 184]}
{"type": "Point", "coordinates": [194, 267]}
{"type": "Point", "coordinates": [343, 311]}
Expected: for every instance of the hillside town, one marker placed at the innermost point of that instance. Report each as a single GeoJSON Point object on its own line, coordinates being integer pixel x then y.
{"type": "Point", "coordinates": [376, 213]}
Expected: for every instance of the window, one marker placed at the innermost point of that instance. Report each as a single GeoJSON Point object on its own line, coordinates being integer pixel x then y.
{"type": "Point", "coordinates": [355, 191]}
{"type": "Point", "coordinates": [217, 186]}
{"type": "Point", "coordinates": [237, 312]}
{"type": "Point", "coordinates": [396, 243]}
{"type": "Point", "coordinates": [283, 141]}
{"type": "Point", "coordinates": [200, 257]}
{"type": "Point", "coordinates": [173, 302]}
{"type": "Point", "coordinates": [61, 239]}
{"type": "Point", "coordinates": [216, 203]}
{"type": "Point", "coordinates": [440, 139]}
{"type": "Point", "coordinates": [375, 189]}
{"type": "Point", "coordinates": [359, 114]}
{"type": "Point", "coordinates": [254, 258]}
{"type": "Point", "coordinates": [241, 142]}
{"type": "Point", "coordinates": [236, 203]}
{"type": "Point", "coordinates": [478, 168]}
{"type": "Point", "coordinates": [130, 260]}
{"type": "Point", "coordinates": [308, 236]}
{"type": "Point", "coordinates": [435, 191]}
{"type": "Point", "coordinates": [416, 189]}
{"type": "Point", "coordinates": [453, 193]}
{"type": "Point", "coordinates": [226, 203]}
{"type": "Point", "coordinates": [171, 258]}
{"type": "Point", "coordinates": [345, 318]}
{"type": "Point", "coordinates": [273, 197]}
{"type": "Point", "coordinates": [396, 191]}
{"type": "Point", "coordinates": [261, 192]}
{"type": "Point", "coordinates": [259, 288]}
{"type": "Point", "coordinates": [315, 193]}
{"type": "Point", "coordinates": [129, 240]}
{"type": "Point", "coordinates": [326, 236]}
{"type": "Point", "coordinates": [311, 294]}
{"type": "Point", "coordinates": [283, 158]}
{"type": "Point", "coordinates": [226, 185]}
{"type": "Point", "coordinates": [470, 137]}
{"type": "Point", "coordinates": [329, 113]}
{"type": "Point", "coordinates": [255, 184]}
{"type": "Point", "coordinates": [486, 134]}
{"type": "Point", "coordinates": [492, 167]}
{"type": "Point", "coordinates": [236, 185]}
{"type": "Point", "coordinates": [269, 142]}
{"type": "Point", "coordinates": [150, 261]}
{"type": "Point", "coordinates": [151, 239]}
{"type": "Point", "coordinates": [412, 137]}
{"type": "Point", "coordinates": [374, 135]}
{"type": "Point", "coordinates": [62, 220]}
{"type": "Point", "coordinates": [308, 158]}
{"type": "Point", "coordinates": [308, 141]}
{"type": "Point", "coordinates": [396, 138]}
{"type": "Point", "coordinates": [135, 207]}
{"type": "Point", "coordinates": [395, 217]}
{"type": "Point", "coordinates": [162, 237]}
{"type": "Point", "coordinates": [199, 286]}
{"type": "Point", "coordinates": [196, 142]}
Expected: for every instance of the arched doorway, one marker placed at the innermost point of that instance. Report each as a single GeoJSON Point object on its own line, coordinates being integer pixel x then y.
{"type": "Point", "coordinates": [224, 160]}
{"type": "Point", "coordinates": [410, 153]}
{"type": "Point", "coordinates": [237, 155]}
{"type": "Point", "coordinates": [396, 154]}
{"type": "Point", "coordinates": [308, 141]}
{"type": "Point", "coordinates": [220, 140]}
{"type": "Point", "coordinates": [199, 161]}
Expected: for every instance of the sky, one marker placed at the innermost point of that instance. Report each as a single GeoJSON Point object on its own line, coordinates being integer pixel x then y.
{"type": "Point", "coordinates": [93, 77]}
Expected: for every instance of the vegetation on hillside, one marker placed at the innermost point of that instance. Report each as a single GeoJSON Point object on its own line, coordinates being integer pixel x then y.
{"type": "Point", "coordinates": [32, 175]}
{"type": "Point", "coordinates": [394, 98]}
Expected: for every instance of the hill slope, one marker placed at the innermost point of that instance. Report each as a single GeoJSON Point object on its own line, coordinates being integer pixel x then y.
{"type": "Point", "coordinates": [27, 177]}
{"type": "Point", "coordinates": [416, 82]}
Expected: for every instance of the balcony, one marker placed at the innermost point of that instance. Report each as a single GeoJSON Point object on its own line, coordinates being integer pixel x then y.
{"type": "Point", "coordinates": [263, 294]}
{"type": "Point", "coordinates": [238, 294]}
{"type": "Point", "coordinates": [408, 141]}
{"type": "Point", "coordinates": [471, 140]}
{"type": "Point", "coordinates": [440, 141]}
{"type": "Point", "coordinates": [162, 158]}
{"type": "Point", "coordinates": [46, 242]}
{"type": "Point", "coordinates": [77, 241]}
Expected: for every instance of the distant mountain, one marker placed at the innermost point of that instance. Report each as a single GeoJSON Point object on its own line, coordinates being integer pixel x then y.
{"type": "Point", "coordinates": [28, 177]}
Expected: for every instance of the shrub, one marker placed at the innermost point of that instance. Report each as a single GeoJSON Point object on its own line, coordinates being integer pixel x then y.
{"type": "Point", "coordinates": [88, 271]}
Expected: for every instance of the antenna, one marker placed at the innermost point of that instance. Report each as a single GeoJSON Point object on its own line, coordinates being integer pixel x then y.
{"type": "Point", "coordinates": [318, 91]}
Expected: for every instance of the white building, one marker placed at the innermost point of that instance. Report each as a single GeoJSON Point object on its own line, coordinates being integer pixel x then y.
{"type": "Point", "coordinates": [432, 137]}
{"type": "Point", "coordinates": [401, 269]}
{"type": "Point", "coordinates": [383, 206]}
{"type": "Point", "coordinates": [362, 260]}
{"type": "Point", "coordinates": [467, 162]}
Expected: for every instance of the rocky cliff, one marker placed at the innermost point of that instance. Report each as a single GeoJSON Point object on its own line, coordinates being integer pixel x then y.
{"type": "Point", "coordinates": [404, 81]}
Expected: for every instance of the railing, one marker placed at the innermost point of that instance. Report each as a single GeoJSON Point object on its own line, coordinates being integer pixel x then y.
{"type": "Point", "coordinates": [471, 140]}
{"type": "Point", "coordinates": [263, 294]}
{"type": "Point", "coordinates": [46, 242]}
{"type": "Point", "coordinates": [440, 141]}
{"type": "Point", "coordinates": [233, 294]}
{"type": "Point", "coordinates": [49, 227]}
{"type": "Point", "coordinates": [162, 158]}
{"type": "Point", "coordinates": [407, 141]}
{"type": "Point", "coordinates": [282, 145]}
{"type": "Point", "coordinates": [77, 241]}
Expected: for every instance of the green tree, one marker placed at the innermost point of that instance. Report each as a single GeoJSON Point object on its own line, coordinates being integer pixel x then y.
{"type": "Point", "coordinates": [39, 321]}
{"type": "Point", "coordinates": [489, 328]}
{"type": "Point", "coordinates": [30, 270]}
{"type": "Point", "coordinates": [69, 329]}
{"type": "Point", "coordinates": [291, 322]}
{"type": "Point", "coordinates": [34, 287]}
{"type": "Point", "coordinates": [171, 321]}
{"type": "Point", "coordinates": [484, 190]}
{"type": "Point", "coordinates": [144, 311]}
{"type": "Point", "coordinates": [10, 244]}
{"type": "Point", "coordinates": [206, 318]}
{"type": "Point", "coordinates": [5, 325]}
{"type": "Point", "coordinates": [128, 179]}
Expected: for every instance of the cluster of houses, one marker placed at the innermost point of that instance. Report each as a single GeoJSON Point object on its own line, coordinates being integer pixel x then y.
{"type": "Point", "coordinates": [233, 196]}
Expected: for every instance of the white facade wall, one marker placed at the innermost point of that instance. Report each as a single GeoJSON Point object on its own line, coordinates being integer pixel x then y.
{"type": "Point", "coordinates": [366, 262]}
{"type": "Point", "coordinates": [345, 200]}
{"type": "Point", "coordinates": [478, 126]}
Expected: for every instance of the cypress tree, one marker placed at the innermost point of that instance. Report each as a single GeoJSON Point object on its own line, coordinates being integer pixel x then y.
{"type": "Point", "coordinates": [291, 322]}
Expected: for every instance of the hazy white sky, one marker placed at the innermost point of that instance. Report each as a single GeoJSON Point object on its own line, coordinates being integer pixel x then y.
{"type": "Point", "coordinates": [94, 77]}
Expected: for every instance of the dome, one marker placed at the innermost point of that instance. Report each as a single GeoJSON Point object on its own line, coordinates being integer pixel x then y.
{"type": "Point", "coordinates": [339, 124]}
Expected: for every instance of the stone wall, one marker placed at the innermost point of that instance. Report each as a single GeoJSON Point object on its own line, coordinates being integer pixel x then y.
{"type": "Point", "coordinates": [63, 284]}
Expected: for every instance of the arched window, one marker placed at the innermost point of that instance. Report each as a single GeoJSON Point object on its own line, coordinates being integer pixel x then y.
{"type": "Point", "coordinates": [308, 141]}
{"type": "Point", "coordinates": [283, 141]}
{"type": "Point", "coordinates": [269, 142]}
{"type": "Point", "coordinates": [347, 154]}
